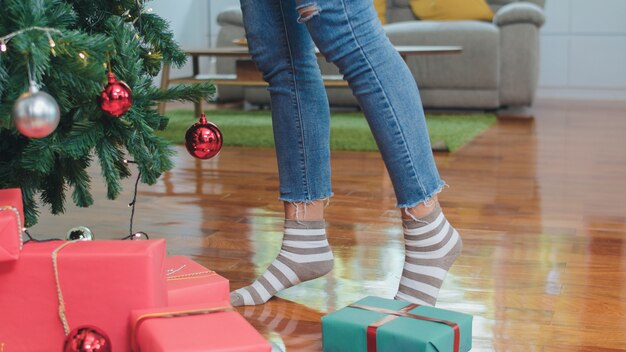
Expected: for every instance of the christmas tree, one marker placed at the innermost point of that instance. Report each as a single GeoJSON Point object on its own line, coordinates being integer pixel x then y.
{"type": "Point", "coordinates": [67, 47]}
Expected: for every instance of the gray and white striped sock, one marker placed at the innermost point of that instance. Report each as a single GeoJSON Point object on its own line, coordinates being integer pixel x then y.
{"type": "Point", "coordinates": [431, 247]}
{"type": "Point", "coordinates": [305, 255]}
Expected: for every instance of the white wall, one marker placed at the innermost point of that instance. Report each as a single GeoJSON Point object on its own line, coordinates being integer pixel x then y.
{"type": "Point", "coordinates": [583, 50]}
{"type": "Point", "coordinates": [583, 43]}
{"type": "Point", "coordinates": [194, 25]}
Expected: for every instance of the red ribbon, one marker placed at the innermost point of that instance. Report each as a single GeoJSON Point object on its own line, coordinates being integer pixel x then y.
{"type": "Point", "coordinates": [404, 312]}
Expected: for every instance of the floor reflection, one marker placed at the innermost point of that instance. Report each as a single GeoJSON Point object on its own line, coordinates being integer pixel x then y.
{"type": "Point", "coordinates": [540, 206]}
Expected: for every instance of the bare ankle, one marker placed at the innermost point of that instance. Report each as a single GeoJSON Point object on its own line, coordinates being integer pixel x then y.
{"type": "Point", "coordinates": [421, 210]}
{"type": "Point", "coordinates": [301, 211]}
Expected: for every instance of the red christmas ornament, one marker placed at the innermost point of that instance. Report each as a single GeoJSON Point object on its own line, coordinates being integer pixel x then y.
{"type": "Point", "coordinates": [87, 339]}
{"type": "Point", "coordinates": [203, 139]}
{"type": "Point", "coordinates": [116, 98]}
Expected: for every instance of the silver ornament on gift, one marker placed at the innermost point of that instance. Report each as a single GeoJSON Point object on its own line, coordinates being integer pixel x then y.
{"type": "Point", "coordinates": [36, 114]}
{"type": "Point", "coordinates": [80, 233]}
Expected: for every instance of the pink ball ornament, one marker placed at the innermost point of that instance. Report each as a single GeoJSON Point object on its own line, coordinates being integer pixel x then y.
{"type": "Point", "coordinates": [87, 339]}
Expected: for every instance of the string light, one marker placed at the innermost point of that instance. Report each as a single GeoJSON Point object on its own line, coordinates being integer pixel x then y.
{"type": "Point", "coordinates": [5, 40]}
{"type": "Point", "coordinates": [82, 55]}
{"type": "Point", "coordinates": [140, 234]}
{"type": "Point", "coordinates": [50, 40]}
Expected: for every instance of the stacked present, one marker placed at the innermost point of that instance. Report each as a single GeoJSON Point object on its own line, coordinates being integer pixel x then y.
{"type": "Point", "coordinates": [11, 220]}
{"type": "Point", "coordinates": [374, 324]}
{"type": "Point", "coordinates": [114, 295]}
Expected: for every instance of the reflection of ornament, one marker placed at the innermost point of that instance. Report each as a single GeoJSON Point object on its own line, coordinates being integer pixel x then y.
{"type": "Point", "coordinates": [203, 139]}
{"type": "Point", "coordinates": [140, 235]}
{"type": "Point", "coordinates": [80, 233]}
{"type": "Point", "coordinates": [36, 114]}
{"type": "Point", "coordinates": [116, 98]}
{"type": "Point", "coordinates": [87, 339]}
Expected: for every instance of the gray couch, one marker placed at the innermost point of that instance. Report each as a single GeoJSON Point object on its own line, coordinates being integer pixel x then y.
{"type": "Point", "coordinates": [499, 66]}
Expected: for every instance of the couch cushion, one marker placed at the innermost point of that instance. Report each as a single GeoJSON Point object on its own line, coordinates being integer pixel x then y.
{"type": "Point", "coordinates": [449, 10]}
{"type": "Point", "coordinates": [497, 4]}
{"type": "Point", "coordinates": [478, 65]}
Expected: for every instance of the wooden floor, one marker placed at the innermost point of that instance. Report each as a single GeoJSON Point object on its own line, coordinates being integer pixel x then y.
{"type": "Point", "coordinates": [540, 204]}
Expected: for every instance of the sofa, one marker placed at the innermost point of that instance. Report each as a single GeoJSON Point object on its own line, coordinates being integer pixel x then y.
{"type": "Point", "coordinates": [498, 68]}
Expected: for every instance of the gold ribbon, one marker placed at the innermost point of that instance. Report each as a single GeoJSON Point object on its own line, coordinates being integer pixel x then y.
{"type": "Point", "coordinates": [19, 224]}
{"type": "Point", "coordinates": [197, 275]}
{"type": "Point", "coordinates": [171, 314]}
{"type": "Point", "coordinates": [62, 312]}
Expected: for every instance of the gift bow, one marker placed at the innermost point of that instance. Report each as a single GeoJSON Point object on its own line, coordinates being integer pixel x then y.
{"type": "Point", "coordinates": [171, 314]}
{"type": "Point", "coordinates": [404, 312]}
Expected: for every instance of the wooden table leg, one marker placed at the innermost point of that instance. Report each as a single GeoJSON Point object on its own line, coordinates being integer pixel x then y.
{"type": "Point", "coordinates": [165, 83]}
{"type": "Point", "coordinates": [195, 61]}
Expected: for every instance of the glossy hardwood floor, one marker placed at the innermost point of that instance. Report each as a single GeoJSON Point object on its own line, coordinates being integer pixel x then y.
{"type": "Point", "coordinates": [541, 206]}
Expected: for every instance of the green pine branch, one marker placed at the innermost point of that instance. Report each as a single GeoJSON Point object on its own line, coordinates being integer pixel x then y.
{"type": "Point", "coordinates": [87, 37]}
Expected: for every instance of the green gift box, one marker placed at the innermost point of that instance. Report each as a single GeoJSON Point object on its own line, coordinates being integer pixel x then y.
{"type": "Point", "coordinates": [375, 324]}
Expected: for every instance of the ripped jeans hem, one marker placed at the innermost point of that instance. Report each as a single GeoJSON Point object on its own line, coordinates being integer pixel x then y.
{"type": "Point", "coordinates": [427, 201]}
{"type": "Point", "coordinates": [306, 201]}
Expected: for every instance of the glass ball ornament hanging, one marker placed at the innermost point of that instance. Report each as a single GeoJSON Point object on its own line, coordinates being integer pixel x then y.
{"type": "Point", "coordinates": [35, 113]}
{"type": "Point", "coordinates": [116, 98]}
{"type": "Point", "coordinates": [203, 139]}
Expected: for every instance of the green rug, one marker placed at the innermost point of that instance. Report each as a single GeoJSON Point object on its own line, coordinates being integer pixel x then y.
{"type": "Point", "coordinates": [349, 131]}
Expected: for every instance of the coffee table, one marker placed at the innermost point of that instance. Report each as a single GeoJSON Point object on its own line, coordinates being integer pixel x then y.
{"type": "Point", "coordinates": [246, 73]}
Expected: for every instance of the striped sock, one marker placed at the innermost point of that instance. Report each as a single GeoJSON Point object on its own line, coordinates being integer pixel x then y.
{"type": "Point", "coordinates": [431, 246]}
{"type": "Point", "coordinates": [305, 255]}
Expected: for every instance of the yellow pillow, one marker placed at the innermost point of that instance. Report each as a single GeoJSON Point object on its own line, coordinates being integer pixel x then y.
{"type": "Point", "coordinates": [381, 9]}
{"type": "Point", "coordinates": [450, 10]}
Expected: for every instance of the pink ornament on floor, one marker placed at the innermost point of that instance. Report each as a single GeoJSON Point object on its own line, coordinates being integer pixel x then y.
{"type": "Point", "coordinates": [87, 339]}
{"type": "Point", "coordinates": [203, 139]}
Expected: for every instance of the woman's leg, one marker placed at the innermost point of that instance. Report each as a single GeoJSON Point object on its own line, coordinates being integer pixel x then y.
{"type": "Point", "coordinates": [350, 35]}
{"type": "Point", "coordinates": [284, 52]}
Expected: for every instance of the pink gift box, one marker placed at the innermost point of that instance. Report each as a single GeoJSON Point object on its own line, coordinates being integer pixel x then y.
{"type": "Point", "coordinates": [190, 283]}
{"type": "Point", "coordinates": [10, 234]}
{"type": "Point", "coordinates": [194, 328]}
{"type": "Point", "coordinates": [13, 197]}
{"type": "Point", "coordinates": [11, 224]}
{"type": "Point", "coordinates": [101, 282]}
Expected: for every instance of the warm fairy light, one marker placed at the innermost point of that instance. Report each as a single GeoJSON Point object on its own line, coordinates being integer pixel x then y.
{"type": "Point", "coordinates": [3, 46]}
{"type": "Point", "coordinates": [149, 52]}
{"type": "Point", "coordinates": [50, 40]}
{"type": "Point", "coordinates": [82, 55]}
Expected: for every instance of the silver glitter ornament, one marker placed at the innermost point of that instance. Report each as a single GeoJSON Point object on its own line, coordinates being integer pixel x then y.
{"type": "Point", "coordinates": [36, 114]}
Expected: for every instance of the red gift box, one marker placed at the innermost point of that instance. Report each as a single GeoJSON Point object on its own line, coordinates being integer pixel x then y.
{"type": "Point", "coordinates": [10, 234]}
{"type": "Point", "coordinates": [101, 282]}
{"type": "Point", "coordinates": [13, 197]}
{"type": "Point", "coordinates": [11, 224]}
{"type": "Point", "coordinates": [190, 283]}
{"type": "Point", "coordinates": [194, 328]}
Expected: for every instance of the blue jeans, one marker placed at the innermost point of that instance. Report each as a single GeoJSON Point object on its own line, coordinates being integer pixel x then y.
{"type": "Point", "coordinates": [282, 35]}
